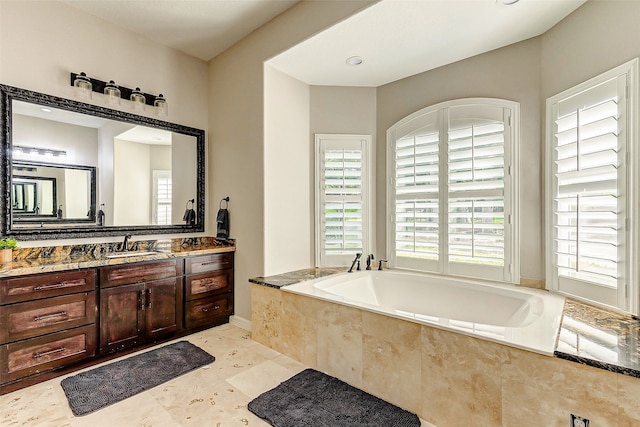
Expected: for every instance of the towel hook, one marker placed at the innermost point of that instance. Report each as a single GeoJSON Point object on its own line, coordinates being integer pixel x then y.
{"type": "Point", "coordinates": [224, 199]}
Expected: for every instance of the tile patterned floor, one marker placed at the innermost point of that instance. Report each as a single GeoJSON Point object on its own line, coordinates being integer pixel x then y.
{"type": "Point", "coordinates": [215, 395]}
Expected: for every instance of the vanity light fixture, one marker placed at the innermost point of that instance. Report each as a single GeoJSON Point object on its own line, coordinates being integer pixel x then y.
{"type": "Point", "coordinates": [48, 152]}
{"type": "Point", "coordinates": [84, 85]}
{"type": "Point", "coordinates": [138, 99]}
{"type": "Point", "coordinates": [115, 92]}
{"type": "Point", "coordinates": [161, 104]}
{"type": "Point", "coordinates": [354, 61]}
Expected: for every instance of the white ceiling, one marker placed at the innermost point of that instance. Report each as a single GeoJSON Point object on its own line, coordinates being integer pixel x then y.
{"type": "Point", "coordinates": [395, 38]}
{"type": "Point", "coordinates": [400, 38]}
{"type": "Point", "coordinates": [200, 28]}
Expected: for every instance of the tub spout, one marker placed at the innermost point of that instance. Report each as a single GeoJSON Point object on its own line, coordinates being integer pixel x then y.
{"type": "Point", "coordinates": [357, 259]}
{"type": "Point", "coordinates": [369, 259]}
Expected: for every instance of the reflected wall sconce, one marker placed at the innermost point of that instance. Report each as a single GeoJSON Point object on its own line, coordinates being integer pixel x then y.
{"type": "Point", "coordinates": [115, 93]}
{"type": "Point", "coordinates": [47, 152]}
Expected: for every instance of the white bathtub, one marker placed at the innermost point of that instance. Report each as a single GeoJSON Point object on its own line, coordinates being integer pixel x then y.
{"type": "Point", "coordinates": [516, 316]}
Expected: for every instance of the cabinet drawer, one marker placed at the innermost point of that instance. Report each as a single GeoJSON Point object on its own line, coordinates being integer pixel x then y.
{"type": "Point", "coordinates": [206, 285]}
{"type": "Point", "coordinates": [45, 353]}
{"type": "Point", "coordinates": [203, 311]}
{"type": "Point", "coordinates": [30, 319]}
{"type": "Point", "coordinates": [46, 285]}
{"type": "Point", "coordinates": [206, 263]}
{"type": "Point", "coordinates": [138, 272]}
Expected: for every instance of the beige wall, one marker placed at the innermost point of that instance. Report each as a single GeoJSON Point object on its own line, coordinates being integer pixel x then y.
{"type": "Point", "coordinates": [511, 73]}
{"type": "Point", "coordinates": [41, 42]}
{"type": "Point", "coordinates": [595, 38]}
{"type": "Point", "coordinates": [236, 128]}
{"type": "Point", "coordinates": [287, 174]}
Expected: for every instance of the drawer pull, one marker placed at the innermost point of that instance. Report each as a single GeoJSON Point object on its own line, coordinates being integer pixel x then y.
{"type": "Point", "coordinates": [210, 263]}
{"type": "Point", "coordinates": [47, 353]}
{"type": "Point", "coordinates": [206, 309]}
{"type": "Point", "coordinates": [47, 287]}
{"type": "Point", "coordinates": [214, 283]}
{"type": "Point", "coordinates": [49, 316]}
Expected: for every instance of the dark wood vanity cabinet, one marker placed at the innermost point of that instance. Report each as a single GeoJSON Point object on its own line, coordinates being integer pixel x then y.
{"type": "Point", "coordinates": [139, 303]}
{"type": "Point", "coordinates": [47, 321]}
{"type": "Point", "coordinates": [208, 290]}
{"type": "Point", "coordinates": [57, 321]}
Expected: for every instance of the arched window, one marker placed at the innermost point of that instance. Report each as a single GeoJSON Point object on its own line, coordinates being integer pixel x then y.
{"type": "Point", "coordinates": [452, 189]}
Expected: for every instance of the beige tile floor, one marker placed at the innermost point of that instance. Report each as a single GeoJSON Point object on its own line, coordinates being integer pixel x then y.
{"type": "Point", "coordinates": [215, 395]}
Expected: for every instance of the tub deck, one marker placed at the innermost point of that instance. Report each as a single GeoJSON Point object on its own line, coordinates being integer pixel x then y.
{"type": "Point", "coordinates": [588, 335]}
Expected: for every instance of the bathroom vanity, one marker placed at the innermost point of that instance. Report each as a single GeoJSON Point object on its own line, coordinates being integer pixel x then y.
{"type": "Point", "coordinates": [93, 307]}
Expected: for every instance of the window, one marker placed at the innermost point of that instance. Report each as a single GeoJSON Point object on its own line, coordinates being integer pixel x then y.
{"type": "Point", "coordinates": [342, 198]}
{"type": "Point", "coordinates": [161, 197]}
{"type": "Point", "coordinates": [590, 193]}
{"type": "Point", "coordinates": [451, 189]}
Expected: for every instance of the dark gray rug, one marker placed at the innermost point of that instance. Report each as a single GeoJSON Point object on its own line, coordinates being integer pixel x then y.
{"type": "Point", "coordinates": [314, 399]}
{"type": "Point", "coordinates": [100, 387]}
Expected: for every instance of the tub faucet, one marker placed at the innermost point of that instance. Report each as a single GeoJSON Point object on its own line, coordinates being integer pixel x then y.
{"type": "Point", "coordinates": [369, 259]}
{"type": "Point", "coordinates": [125, 243]}
{"type": "Point", "coordinates": [380, 264]}
{"type": "Point", "coordinates": [357, 259]}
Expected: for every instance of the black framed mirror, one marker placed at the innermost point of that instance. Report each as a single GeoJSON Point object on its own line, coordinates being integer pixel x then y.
{"type": "Point", "coordinates": [67, 163]}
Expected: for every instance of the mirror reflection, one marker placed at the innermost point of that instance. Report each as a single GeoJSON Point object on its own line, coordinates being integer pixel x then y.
{"type": "Point", "coordinates": [78, 168]}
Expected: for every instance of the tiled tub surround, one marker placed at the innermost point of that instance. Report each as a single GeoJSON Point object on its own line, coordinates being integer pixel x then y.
{"type": "Point", "coordinates": [60, 258]}
{"type": "Point", "coordinates": [452, 379]}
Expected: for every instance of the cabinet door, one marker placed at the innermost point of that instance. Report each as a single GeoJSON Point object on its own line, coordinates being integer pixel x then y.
{"type": "Point", "coordinates": [121, 317]}
{"type": "Point", "coordinates": [163, 300]}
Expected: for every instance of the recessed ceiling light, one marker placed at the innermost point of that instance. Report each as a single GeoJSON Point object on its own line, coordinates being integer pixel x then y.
{"type": "Point", "coordinates": [354, 61]}
{"type": "Point", "coordinates": [46, 110]}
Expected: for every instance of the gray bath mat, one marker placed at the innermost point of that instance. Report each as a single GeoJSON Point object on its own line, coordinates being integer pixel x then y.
{"type": "Point", "coordinates": [314, 399]}
{"type": "Point", "coordinates": [100, 387]}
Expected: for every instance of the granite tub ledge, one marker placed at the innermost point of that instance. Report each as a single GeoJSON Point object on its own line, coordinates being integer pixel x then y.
{"type": "Point", "coordinates": [279, 280]}
{"type": "Point", "coordinates": [47, 259]}
{"type": "Point", "coordinates": [590, 335]}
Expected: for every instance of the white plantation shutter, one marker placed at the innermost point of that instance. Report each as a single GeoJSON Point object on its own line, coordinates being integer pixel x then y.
{"type": "Point", "coordinates": [451, 193]}
{"type": "Point", "coordinates": [162, 197]}
{"type": "Point", "coordinates": [342, 198]}
{"type": "Point", "coordinates": [417, 192]}
{"type": "Point", "coordinates": [589, 143]}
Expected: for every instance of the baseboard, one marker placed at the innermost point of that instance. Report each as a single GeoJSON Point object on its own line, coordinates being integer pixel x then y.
{"type": "Point", "coordinates": [240, 322]}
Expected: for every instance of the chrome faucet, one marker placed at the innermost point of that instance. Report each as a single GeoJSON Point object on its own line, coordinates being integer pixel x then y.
{"type": "Point", "coordinates": [125, 243]}
{"type": "Point", "coordinates": [369, 259]}
{"type": "Point", "coordinates": [357, 259]}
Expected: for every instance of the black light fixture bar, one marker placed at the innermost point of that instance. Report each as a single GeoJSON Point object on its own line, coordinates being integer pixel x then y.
{"type": "Point", "coordinates": [125, 92]}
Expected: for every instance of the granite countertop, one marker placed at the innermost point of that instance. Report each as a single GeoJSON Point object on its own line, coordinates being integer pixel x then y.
{"type": "Point", "coordinates": [71, 257]}
{"type": "Point", "coordinates": [590, 335]}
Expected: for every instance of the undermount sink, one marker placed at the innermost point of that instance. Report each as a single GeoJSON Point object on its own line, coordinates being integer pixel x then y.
{"type": "Point", "coordinates": [130, 254]}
